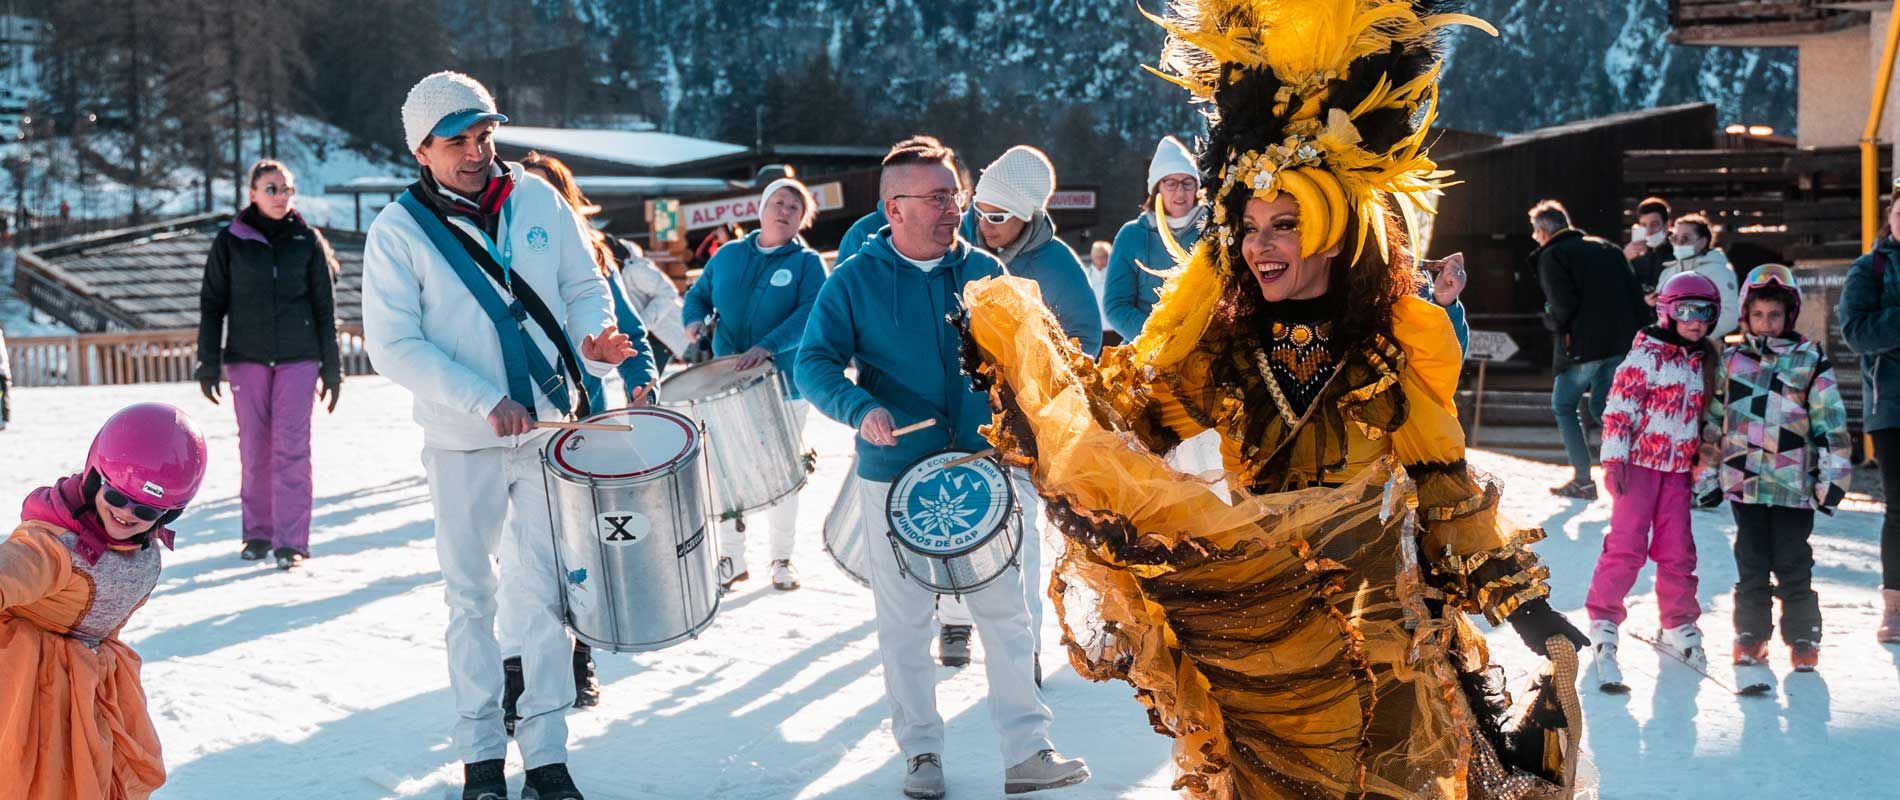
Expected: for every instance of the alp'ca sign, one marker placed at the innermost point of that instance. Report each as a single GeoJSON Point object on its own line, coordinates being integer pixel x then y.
{"type": "Point", "coordinates": [745, 208]}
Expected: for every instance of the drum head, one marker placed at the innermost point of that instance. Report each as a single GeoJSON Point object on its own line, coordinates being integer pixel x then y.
{"type": "Point", "coordinates": [944, 513]}
{"type": "Point", "coordinates": [714, 378]}
{"type": "Point", "coordinates": [660, 442]}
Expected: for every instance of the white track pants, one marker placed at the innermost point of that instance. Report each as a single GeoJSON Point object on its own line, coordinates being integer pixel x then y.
{"type": "Point", "coordinates": [910, 676]}
{"type": "Point", "coordinates": [782, 516]}
{"type": "Point", "coordinates": [951, 610]}
{"type": "Point", "coordinates": [492, 503]}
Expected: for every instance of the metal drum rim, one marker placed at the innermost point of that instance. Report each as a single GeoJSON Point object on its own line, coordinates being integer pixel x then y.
{"type": "Point", "coordinates": [1009, 494]}
{"type": "Point", "coordinates": [1015, 556]}
{"type": "Point", "coordinates": [648, 647]}
{"type": "Point", "coordinates": [695, 445]}
{"type": "Point", "coordinates": [731, 391]}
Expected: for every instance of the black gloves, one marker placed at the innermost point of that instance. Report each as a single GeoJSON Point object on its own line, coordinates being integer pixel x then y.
{"type": "Point", "coordinates": [1535, 621]}
{"type": "Point", "coordinates": [332, 387]}
{"type": "Point", "coordinates": [210, 387]}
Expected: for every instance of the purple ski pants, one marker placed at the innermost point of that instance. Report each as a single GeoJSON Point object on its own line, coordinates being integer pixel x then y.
{"type": "Point", "coordinates": [273, 405]}
{"type": "Point", "coordinates": [1648, 522]}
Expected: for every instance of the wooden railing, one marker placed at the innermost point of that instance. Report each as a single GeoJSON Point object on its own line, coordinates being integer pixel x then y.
{"type": "Point", "coordinates": [1718, 21]}
{"type": "Point", "coordinates": [1794, 204]}
{"type": "Point", "coordinates": [96, 359]}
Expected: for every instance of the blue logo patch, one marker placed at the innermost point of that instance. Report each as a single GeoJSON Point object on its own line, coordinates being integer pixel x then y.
{"type": "Point", "coordinates": [538, 239]}
{"type": "Point", "coordinates": [577, 577]}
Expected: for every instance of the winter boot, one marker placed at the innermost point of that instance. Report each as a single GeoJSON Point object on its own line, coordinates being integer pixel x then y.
{"type": "Point", "coordinates": [512, 685]}
{"type": "Point", "coordinates": [586, 683]}
{"type": "Point", "coordinates": [730, 573]}
{"type": "Point", "coordinates": [1044, 770]}
{"type": "Point", "coordinates": [550, 782]}
{"type": "Point", "coordinates": [1890, 622]}
{"type": "Point", "coordinates": [923, 777]}
{"type": "Point", "coordinates": [1805, 656]}
{"type": "Point", "coordinates": [484, 780]}
{"type": "Point", "coordinates": [1603, 638]}
{"type": "Point", "coordinates": [784, 578]}
{"type": "Point", "coordinates": [1580, 489]}
{"type": "Point", "coordinates": [953, 645]}
{"type": "Point", "coordinates": [1750, 650]}
{"type": "Point", "coordinates": [288, 558]}
{"type": "Point", "coordinates": [255, 549]}
{"type": "Point", "coordinates": [1686, 642]}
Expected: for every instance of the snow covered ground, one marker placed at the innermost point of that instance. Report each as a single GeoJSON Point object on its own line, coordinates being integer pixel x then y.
{"type": "Point", "coordinates": [331, 681]}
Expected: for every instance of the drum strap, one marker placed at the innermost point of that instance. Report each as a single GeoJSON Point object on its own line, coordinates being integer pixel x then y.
{"type": "Point", "coordinates": [527, 368]}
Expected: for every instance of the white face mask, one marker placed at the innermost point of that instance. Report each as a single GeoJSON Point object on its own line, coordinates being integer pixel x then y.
{"type": "Point", "coordinates": [1657, 239]}
{"type": "Point", "coordinates": [1685, 252]}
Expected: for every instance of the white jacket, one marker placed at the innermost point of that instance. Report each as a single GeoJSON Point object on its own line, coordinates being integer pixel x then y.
{"type": "Point", "coordinates": [425, 331]}
{"type": "Point", "coordinates": [657, 300]}
{"type": "Point", "coordinates": [1713, 264]}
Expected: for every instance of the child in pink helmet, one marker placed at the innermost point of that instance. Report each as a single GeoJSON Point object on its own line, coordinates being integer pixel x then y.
{"type": "Point", "coordinates": [82, 560]}
{"type": "Point", "coordinates": [1653, 435]}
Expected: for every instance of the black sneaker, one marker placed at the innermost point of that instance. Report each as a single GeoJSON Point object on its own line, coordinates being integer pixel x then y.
{"type": "Point", "coordinates": [255, 549]}
{"type": "Point", "coordinates": [953, 645]}
{"type": "Point", "coordinates": [586, 683]}
{"type": "Point", "coordinates": [512, 685]}
{"type": "Point", "coordinates": [1584, 489]}
{"type": "Point", "coordinates": [484, 780]}
{"type": "Point", "coordinates": [550, 782]}
{"type": "Point", "coordinates": [288, 558]}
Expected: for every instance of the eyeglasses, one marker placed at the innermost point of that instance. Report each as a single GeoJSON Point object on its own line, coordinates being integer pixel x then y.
{"type": "Point", "coordinates": [117, 499]}
{"type": "Point", "coordinates": [942, 200]}
{"type": "Point", "coordinates": [1178, 184]}
{"type": "Point", "coordinates": [273, 190]}
{"type": "Point", "coordinates": [994, 217]}
{"type": "Point", "coordinates": [1693, 311]}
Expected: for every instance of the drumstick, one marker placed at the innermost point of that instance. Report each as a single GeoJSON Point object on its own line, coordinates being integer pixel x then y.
{"type": "Point", "coordinates": [969, 458]}
{"type": "Point", "coordinates": [582, 426]}
{"type": "Point", "coordinates": [913, 428]}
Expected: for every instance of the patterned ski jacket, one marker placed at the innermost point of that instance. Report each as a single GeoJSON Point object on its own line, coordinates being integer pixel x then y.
{"type": "Point", "coordinates": [1654, 415]}
{"type": "Point", "coordinates": [1783, 425]}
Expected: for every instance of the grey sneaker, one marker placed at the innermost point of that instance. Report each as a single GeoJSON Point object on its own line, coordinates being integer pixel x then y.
{"type": "Point", "coordinates": [1584, 489]}
{"type": "Point", "coordinates": [1044, 770]}
{"type": "Point", "coordinates": [923, 779]}
{"type": "Point", "coordinates": [953, 645]}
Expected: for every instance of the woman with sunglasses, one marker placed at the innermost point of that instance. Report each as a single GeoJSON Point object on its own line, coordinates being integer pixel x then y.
{"type": "Point", "coordinates": [77, 567]}
{"type": "Point", "coordinates": [1870, 322]}
{"type": "Point", "coordinates": [268, 324]}
{"type": "Point", "coordinates": [1652, 448]}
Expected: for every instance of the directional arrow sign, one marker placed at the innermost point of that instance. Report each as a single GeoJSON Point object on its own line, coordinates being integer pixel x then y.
{"type": "Point", "coordinates": [1491, 346]}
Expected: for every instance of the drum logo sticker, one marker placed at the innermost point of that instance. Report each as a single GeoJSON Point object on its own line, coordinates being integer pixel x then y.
{"type": "Point", "coordinates": [538, 239]}
{"type": "Point", "coordinates": [782, 278]}
{"type": "Point", "coordinates": [623, 527]}
{"type": "Point", "coordinates": [948, 511]}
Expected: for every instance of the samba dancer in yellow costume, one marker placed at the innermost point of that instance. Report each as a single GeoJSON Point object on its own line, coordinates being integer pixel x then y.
{"type": "Point", "coordinates": [1306, 636]}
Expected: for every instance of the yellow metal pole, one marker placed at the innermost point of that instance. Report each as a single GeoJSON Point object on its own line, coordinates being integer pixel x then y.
{"type": "Point", "coordinates": [1869, 149]}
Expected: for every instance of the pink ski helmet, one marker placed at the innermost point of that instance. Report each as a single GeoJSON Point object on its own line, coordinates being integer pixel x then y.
{"type": "Point", "coordinates": [150, 452]}
{"type": "Point", "coordinates": [1771, 277]}
{"type": "Point", "coordinates": [1689, 297]}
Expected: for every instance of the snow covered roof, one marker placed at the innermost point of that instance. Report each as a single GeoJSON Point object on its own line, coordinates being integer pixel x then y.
{"type": "Point", "coordinates": [594, 186]}
{"type": "Point", "coordinates": [649, 150]}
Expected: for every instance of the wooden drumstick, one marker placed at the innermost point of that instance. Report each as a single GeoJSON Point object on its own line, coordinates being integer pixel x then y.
{"type": "Point", "coordinates": [969, 458]}
{"type": "Point", "coordinates": [913, 428]}
{"type": "Point", "coordinates": [583, 426]}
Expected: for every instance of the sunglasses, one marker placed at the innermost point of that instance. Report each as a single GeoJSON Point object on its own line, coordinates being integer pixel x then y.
{"type": "Point", "coordinates": [1693, 311]}
{"type": "Point", "coordinates": [118, 499]}
{"type": "Point", "coordinates": [995, 217]}
{"type": "Point", "coordinates": [274, 190]}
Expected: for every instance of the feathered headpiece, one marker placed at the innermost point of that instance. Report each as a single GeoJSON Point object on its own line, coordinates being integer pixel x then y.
{"type": "Point", "coordinates": [1330, 101]}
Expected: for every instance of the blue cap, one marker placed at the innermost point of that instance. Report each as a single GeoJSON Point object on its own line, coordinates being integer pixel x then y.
{"type": "Point", "coordinates": [459, 121]}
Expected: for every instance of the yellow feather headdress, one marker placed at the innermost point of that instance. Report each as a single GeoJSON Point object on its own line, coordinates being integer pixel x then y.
{"type": "Point", "coordinates": [1330, 101]}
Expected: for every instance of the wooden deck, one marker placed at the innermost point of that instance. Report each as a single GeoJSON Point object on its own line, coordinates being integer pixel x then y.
{"type": "Point", "coordinates": [1756, 22]}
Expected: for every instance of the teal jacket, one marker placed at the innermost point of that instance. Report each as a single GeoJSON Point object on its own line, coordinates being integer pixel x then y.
{"type": "Point", "coordinates": [890, 317]}
{"type": "Point", "coordinates": [1129, 292]}
{"type": "Point", "coordinates": [860, 232]}
{"type": "Point", "coordinates": [762, 298]}
{"type": "Point", "coordinates": [1065, 289]}
{"type": "Point", "coordinates": [1870, 321]}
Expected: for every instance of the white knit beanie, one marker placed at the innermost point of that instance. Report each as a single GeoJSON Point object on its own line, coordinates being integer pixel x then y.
{"type": "Point", "coordinates": [1019, 181]}
{"type": "Point", "coordinates": [804, 193]}
{"type": "Point", "coordinates": [445, 104]}
{"type": "Point", "coordinates": [1171, 158]}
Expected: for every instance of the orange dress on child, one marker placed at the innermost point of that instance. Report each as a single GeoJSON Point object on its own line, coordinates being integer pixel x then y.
{"type": "Point", "coordinates": [73, 721]}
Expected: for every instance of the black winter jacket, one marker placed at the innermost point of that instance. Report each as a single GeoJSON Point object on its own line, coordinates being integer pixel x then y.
{"type": "Point", "coordinates": [1591, 299]}
{"type": "Point", "coordinates": [268, 299]}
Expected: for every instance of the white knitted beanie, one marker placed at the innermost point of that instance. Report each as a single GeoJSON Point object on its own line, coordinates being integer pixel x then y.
{"type": "Point", "coordinates": [1171, 158]}
{"type": "Point", "coordinates": [1019, 181]}
{"type": "Point", "coordinates": [445, 104]}
{"type": "Point", "coordinates": [811, 203]}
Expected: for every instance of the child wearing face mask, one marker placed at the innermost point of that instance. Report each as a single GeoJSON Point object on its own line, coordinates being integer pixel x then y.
{"type": "Point", "coordinates": [1784, 456]}
{"type": "Point", "coordinates": [80, 563]}
{"type": "Point", "coordinates": [1652, 443]}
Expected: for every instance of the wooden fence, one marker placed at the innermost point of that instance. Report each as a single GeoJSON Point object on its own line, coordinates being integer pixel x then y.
{"type": "Point", "coordinates": [168, 356]}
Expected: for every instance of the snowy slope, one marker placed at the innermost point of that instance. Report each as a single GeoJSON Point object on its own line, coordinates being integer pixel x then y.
{"type": "Point", "coordinates": [331, 682]}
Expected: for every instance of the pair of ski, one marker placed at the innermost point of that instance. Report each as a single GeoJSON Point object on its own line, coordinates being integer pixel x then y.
{"type": "Point", "coordinates": [1610, 675]}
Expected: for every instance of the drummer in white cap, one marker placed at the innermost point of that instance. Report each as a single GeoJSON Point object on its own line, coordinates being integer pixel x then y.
{"type": "Point", "coordinates": [762, 288]}
{"type": "Point", "coordinates": [476, 283]}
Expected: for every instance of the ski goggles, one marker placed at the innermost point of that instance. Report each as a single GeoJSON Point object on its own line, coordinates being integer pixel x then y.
{"type": "Point", "coordinates": [1769, 275]}
{"type": "Point", "coordinates": [1693, 311]}
{"type": "Point", "coordinates": [118, 499]}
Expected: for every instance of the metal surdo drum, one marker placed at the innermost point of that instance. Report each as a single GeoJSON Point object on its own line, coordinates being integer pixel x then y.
{"type": "Point", "coordinates": [632, 544]}
{"type": "Point", "coordinates": [845, 541]}
{"type": "Point", "coordinates": [756, 453]}
{"type": "Point", "coordinates": [954, 528]}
